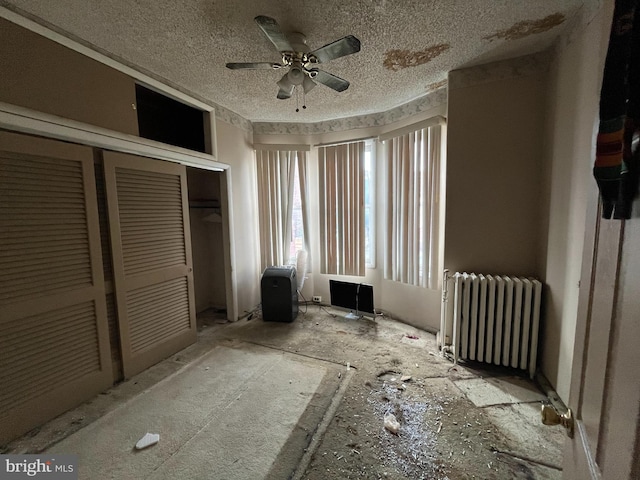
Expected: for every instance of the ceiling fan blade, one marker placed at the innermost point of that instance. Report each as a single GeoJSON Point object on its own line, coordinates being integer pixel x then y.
{"type": "Point", "coordinates": [254, 65]}
{"type": "Point", "coordinates": [272, 30]}
{"type": "Point", "coordinates": [331, 81]}
{"type": "Point", "coordinates": [286, 87]}
{"type": "Point", "coordinates": [337, 49]}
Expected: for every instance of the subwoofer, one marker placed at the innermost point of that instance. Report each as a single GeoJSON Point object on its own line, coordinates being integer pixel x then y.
{"type": "Point", "coordinates": [279, 295]}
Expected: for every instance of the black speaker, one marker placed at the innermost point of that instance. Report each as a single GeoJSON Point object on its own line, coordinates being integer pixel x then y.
{"type": "Point", "coordinates": [279, 295]}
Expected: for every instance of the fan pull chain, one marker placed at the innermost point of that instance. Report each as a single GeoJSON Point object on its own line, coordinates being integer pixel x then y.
{"type": "Point", "coordinates": [304, 99]}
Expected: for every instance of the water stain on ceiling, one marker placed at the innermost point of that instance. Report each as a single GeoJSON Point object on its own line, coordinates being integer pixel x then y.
{"type": "Point", "coordinates": [528, 27]}
{"type": "Point", "coordinates": [397, 59]}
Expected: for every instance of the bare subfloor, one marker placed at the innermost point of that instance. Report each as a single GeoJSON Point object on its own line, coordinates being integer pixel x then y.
{"type": "Point", "coordinates": [456, 422]}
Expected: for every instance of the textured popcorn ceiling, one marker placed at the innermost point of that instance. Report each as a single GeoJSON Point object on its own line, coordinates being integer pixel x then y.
{"type": "Point", "coordinates": [408, 46]}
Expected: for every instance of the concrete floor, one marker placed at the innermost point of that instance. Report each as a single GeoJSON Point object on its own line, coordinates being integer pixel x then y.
{"type": "Point", "coordinates": [456, 422]}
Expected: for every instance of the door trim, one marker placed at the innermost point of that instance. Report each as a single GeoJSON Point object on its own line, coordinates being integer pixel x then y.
{"type": "Point", "coordinates": [33, 122]}
{"type": "Point", "coordinates": [584, 455]}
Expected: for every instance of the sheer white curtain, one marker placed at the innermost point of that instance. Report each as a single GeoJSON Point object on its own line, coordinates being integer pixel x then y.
{"type": "Point", "coordinates": [276, 171]}
{"type": "Point", "coordinates": [341, 186]}
{"type": "Point", "coordinates": [413, 197]}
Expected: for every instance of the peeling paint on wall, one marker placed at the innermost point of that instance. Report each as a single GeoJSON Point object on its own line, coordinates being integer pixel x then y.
{"type": "Point", "coordinates": [436, 85]}
{"type": "Point", "coordinates": [528, 27]}
{"type": "Point", "coordinates": [397, 59]}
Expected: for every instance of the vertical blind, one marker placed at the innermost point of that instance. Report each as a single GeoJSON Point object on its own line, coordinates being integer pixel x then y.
{"type": "Point", "coordinates": [276, 177]}
{"type": "Point", "coordinates": [412, 217]}
{"type": "Point", "coordinates": [342, 233]}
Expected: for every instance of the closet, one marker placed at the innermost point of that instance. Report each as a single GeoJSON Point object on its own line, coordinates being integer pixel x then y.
{"type": "Point", "coordinates": [206, 219]}
{"type": "Point", "coordinates": [96, 262]}
{"type": "Point", "coordinates": [96, 273]}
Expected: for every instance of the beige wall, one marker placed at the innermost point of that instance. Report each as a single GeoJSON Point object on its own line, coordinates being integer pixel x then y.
{"type": "Point", "coordinates": [235, 149]}
{"type": "Point", "coordinates": [572, 122]}
{"type": "Point", "coordinates": [524, 147]}
{"type": "Point", "coordinates": [50, 78]}
{"type": "Point", "coordinates": [494, 163]}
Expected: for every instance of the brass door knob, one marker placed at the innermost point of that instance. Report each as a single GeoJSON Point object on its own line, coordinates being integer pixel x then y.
{"type": "Point", "coordinates": [550, 416]}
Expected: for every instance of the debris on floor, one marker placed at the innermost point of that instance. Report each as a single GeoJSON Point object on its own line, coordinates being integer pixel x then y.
{"type": "Point", "coordinates": [452, 421]}
{"type": "Point", "coordinates": [148, 440]}
{"type": "Point", "coordinates": [391, 423]}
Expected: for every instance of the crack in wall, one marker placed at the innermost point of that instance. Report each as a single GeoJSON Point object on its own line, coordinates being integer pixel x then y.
{"type": "Point", "coordinates": [528, 27]}
{"type": "Point", "coordinates": [396, 59]}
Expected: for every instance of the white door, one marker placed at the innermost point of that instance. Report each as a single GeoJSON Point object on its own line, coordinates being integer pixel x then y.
{"type": "Point", "coordinates": [152, 265]}
{"type": "Point", "coordinates": [605, 387]}
{"type": "Point", "coordinates": [54, 341]}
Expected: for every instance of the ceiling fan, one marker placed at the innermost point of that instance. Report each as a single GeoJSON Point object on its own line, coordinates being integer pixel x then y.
{"type": "Point", "coordinates": [300, 61]}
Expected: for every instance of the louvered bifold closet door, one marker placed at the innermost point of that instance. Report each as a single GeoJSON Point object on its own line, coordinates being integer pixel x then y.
{"type": "Point", "coordinates": [152, 265]}
{"type": "Point", "coordinates": [54, 341]}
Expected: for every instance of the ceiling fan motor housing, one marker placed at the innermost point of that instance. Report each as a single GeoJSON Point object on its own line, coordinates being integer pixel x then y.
{"type": "Point", "coordinates": [298, 42]}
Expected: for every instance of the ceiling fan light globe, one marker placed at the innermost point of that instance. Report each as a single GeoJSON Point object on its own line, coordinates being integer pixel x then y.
{"type": "Point", "coordinates": [296, 76]}
{"type": "Point", "coordinates": [308, 85]}
{"type": "Point", "coordinates": [284, 83]}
